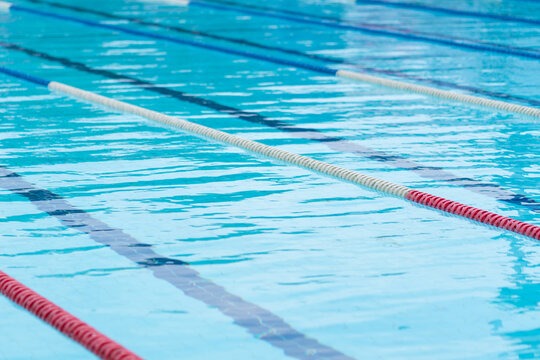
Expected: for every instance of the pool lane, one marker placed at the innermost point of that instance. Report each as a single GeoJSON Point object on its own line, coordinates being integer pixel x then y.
{"type": "Point", "coordinates": [351, 75]}
{"type": "Point", "coordinates": [259, 322]}
{"type": "Point", "coordinates": [322, 58]}
{"type": "Point", "coordinates": [257, 148]}
{"type": "Point", "coordinates": [378, 30]}
{"type": "Point", "coordinates": [333, 142]}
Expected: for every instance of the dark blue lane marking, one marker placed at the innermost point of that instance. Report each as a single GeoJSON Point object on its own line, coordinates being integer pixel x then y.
{"type": "Point", "coordinates": [322, 58]}
{"type": "Point", "coordinates": [333, 142]}
{"type": "Point", "coordinates": [475, 14]}
{"type": "Point", "coordinates": [180, 29]}
{"type": "Point", "coordinates": [268, 58]}
{"type": "Point", "coordinates": [373, 29]}
{"type": "Point", "coordinates": [260, 322]}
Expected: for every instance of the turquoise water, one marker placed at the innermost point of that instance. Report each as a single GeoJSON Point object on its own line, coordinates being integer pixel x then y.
{"type": "Point", "coordinates": [368, 275]}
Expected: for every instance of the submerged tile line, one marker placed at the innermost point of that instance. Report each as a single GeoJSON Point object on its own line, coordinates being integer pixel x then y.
{"type": "Point", "coordinates": [356, 76]}
{"type": "Point", "coordinates": [259, 322]}
{"type": "Point", "coordinates": [323, 58]}
{"type": "Point", "coordinates": [372, 29]}
{"type": "Point", "coordinates": [444, 10]}
{"type": "Point", "coordinates": [333, 142]}
{"type": "Point", "coordinates": [337, 172]}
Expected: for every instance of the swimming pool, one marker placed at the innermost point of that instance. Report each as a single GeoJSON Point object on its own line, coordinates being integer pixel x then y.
{"type": "Point", "coordinates": [177, 246]}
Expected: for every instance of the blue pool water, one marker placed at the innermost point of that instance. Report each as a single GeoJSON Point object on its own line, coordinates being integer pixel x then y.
{"type": "Point", "coordinates": [364, 274]}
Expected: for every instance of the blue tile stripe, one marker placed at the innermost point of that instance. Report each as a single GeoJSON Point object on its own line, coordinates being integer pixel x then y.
{"type": "Point", "coordinates": [365, 28]}
{"type": "Point", "coordinates": [259, 322]}
{"type": "Point", "coordinates": [436, 9]}
{"type": "Point", "coordinates": [268, 58]}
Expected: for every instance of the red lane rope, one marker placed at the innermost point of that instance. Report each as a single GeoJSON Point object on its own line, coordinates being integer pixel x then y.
{"type": "Point", "coordinates": [61, 320]}
{"type": "Point", "coordinates": [475, 214]}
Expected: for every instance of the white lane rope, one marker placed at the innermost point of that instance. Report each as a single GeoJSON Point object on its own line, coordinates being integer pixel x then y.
{"type": "Point", "coordinates": [253, 146]}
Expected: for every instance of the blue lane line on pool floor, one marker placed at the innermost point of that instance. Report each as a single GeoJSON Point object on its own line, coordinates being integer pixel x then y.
{"type": "Point", "coordinates": [333, 142]}
{"type": "Point", "coordinates": [261, 323]}
{"type": "Point", "coordinates": [404, 34]}
{"type": "Point", "coordinates": [372, 29]}
{"type": "Point", "coordinates": [322, 58]}
{"type": "Point", "coordinates": [268, 58]}
{"type": "Point", "coordinates": [436, 9]}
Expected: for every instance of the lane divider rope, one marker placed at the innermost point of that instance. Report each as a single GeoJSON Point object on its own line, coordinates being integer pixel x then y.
{"type": "Point", "coordinates": [69, 325]}
{"type": "Point", "coordinates": [444, 94]}
{"type": "Point", "coordinates": [400, 85]}
{"type": "Point", "coordinates": [333, 142]}
{"type": "Point", "coordinates": [371, 29]}
{"type": "Point", "coordinates": [383, 186]}
{"type": "Point", "coordinates": [287, 51]}
{"type": "Point", "coordinates": [476, 14]}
